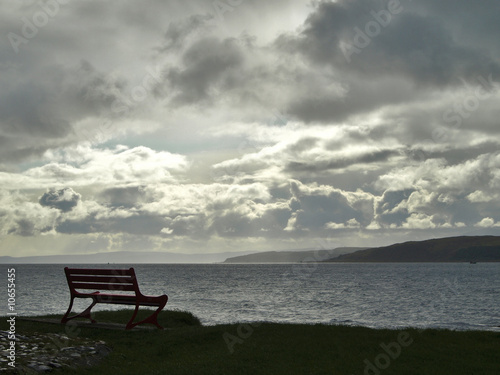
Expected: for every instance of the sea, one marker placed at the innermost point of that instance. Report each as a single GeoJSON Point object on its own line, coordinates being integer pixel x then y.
{"type": "Point", "coordinates": [457, 296]}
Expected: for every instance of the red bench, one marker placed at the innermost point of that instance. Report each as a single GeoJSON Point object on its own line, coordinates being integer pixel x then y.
{"type": "Point", "coordinates": [115, 282]}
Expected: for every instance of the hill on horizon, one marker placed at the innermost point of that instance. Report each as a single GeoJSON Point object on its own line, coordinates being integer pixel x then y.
{"type": "Point", "coordinates": [292, 256]}
{"type": "Point", "coordinates": [449, 249]}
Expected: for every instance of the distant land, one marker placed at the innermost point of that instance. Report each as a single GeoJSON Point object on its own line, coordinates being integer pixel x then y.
{"type": "Point", "coordinates": [129, 257]}
{"type": "Point", "coordinates": [123, 257]}
{"type": "Point", "coordinates": [450, 249]}
{"type": "Point", "coordinates": [292, 256]}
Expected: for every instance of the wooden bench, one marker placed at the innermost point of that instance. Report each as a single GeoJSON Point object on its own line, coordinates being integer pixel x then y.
{"type": "Point", "coordinates": [115, 282]}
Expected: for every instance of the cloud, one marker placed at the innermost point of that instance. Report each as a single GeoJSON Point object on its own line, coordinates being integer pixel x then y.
{"type": "Point", "coordinates": [419, 221]}
{"type": "Point", "coordinates": [210, 65]}
{"type": "Point", "coordinates": [372, 39]}
{"type": "Point", "coordinates": [85, 165]}
{"type": "Point", "coordinates": [63, 199]}
{"type": "Point", "coordinates": [22, 216]}
{"type": "Point", "coordinates": [438, 175]}
{"type": "Point", "coordinates": [317, 207]}
{"type": "Point", "coordinates": [351, 224]}
{"type": "Point", "coordinates": [125, 197]}
{"type": "Point", "coordinates": [40, 110]}
{"type": "Point", "coordinates": [487, 222]}
{"type": "Point", "coordinates": [23, 227]}
{"type": "Point", "coordinates": [180, 30]}
{"type": "Point", "coordinates": [377, 156]}
{"type": "Point", "coordinates": [187, 63]}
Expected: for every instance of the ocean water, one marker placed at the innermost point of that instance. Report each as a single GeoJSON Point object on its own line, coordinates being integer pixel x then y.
{"type": "Point", "coordinates": [382, 295]}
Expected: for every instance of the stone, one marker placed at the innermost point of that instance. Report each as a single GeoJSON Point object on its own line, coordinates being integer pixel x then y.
{"type": "Point", "coordinates": [42, 368]}
{"type": "Point", "coordinates": [45, 352]}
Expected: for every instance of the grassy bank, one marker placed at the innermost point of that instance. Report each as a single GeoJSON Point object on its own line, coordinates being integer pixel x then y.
{"type": "Point", "coordinates": [186, 347]}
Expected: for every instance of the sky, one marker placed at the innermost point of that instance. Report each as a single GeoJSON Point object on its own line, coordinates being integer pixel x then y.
{"type": "Point", "coordinates": [235, 125]}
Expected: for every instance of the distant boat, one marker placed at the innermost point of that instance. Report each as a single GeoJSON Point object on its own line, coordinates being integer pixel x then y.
{"type": "Point", "coordinates": [472, 262]}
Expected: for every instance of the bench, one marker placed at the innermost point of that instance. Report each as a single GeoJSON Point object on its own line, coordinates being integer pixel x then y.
{"type": "Point", "coordinates": [114, 282]}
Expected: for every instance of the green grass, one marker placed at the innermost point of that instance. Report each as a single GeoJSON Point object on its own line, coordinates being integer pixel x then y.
{"type": "Point", "coordinates": [186, 347]}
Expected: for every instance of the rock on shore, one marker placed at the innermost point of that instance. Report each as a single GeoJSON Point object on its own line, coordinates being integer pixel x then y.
{"type": "Point", "coordinates": [43, 352]}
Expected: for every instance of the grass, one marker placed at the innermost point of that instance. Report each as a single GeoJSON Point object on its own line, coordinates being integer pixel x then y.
{"type": "Point", "coordinates": [187, 347]}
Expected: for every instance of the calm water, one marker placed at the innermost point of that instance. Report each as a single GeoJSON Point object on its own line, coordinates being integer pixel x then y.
{"type": "Point", "coordinates": [456, 296]}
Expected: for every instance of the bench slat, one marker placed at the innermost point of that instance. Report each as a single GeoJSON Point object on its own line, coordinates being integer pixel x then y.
{"type": "Point", "coordinates": [96, 271]}
{"type": "Point", "coordinates": [97, 286]}
{"type": "Point", "coordinates": [103, 279]}
{"type": "Point", "coordinates": [123, 299]}
{"type": "Point", "coordinates": [116, 299]}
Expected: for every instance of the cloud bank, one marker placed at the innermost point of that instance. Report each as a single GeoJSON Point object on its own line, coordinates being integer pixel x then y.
{"type": "Point", "coordinates": [193, 128]}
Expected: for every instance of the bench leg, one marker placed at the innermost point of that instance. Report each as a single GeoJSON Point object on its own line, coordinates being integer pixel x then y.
{"type": "Point", "coordinates": [152, 319]}
{"type": "Point", "coordinates": [65, 317]}
{"type": "Point", "coordinates": [83, 314]}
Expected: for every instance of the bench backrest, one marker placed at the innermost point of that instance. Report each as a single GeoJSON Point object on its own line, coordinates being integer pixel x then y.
{"type": "Point", "coordinates": [116, 280]}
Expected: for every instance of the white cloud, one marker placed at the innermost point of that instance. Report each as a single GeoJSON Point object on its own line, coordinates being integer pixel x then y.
{"type": "Point", "coordinates": [350, 224]}
{"type": "Point", "coordinates": [479, 197]}
{"type": "Point", "coordinates": [487, 222]}
{"type": "Point", "coordinates": [85, 166]}
{"type": "Point", "coordinates": [419, 221]}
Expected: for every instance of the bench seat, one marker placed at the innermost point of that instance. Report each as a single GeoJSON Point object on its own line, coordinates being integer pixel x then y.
{"type": "Point", "coordinates": [110, 280]}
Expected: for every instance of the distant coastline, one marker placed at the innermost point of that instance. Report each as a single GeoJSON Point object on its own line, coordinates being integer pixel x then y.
{"type": "Point", "coordinates": [471, 249]}
{"type": "Point", "coordinates": [304, 256]}
{"type": "Point", "coordinates": [121, 257]}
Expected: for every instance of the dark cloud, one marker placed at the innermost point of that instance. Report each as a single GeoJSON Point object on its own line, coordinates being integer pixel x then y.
{"type": "Point", "coordinates": [459, 155]}
{"type": "Point", "coordinates": [342, 162]}
{"type": "Point", "coordinates": [315, 209]}
{"type": "Point", "coordinates": [142, 223]}
{"type": "Point", "coordinates": [386, 209]}
{"type": "Point", "coordinates": [363, 37]}
{"type": "Point", "coordinates": [134, 223]}
{"type": "Point", "coordinates": [40, 113]}
{"type": "Point", "coordinates": [209, 65]}
{"type": "Point", "coordinates": [123, 196]}
{"type": "Point", "coordinates": [178, 31]}
{"type": "Point", "coordinates": [63, 199]}
{"type": "Point", "coordinates": [474, 24]}
{"type": "Point", "coordinates": [23, 227]}
{"type": "Point", "coordinates": [83, 226]}
{"type": "Point", "coordinates": [93, 90]}
{"type": "Point", "coordinates": [193, 226]}
{"type": "Point", "coordinates": [27, 110]}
